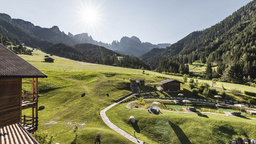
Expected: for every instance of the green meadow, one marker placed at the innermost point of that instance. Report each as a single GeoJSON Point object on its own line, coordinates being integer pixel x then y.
{"type": "Point", "coordinates": [70, 118]}
{"type": "Point", "coordinates": [185, 128]}
{"type": "Point", "coordinates": [65, 109]}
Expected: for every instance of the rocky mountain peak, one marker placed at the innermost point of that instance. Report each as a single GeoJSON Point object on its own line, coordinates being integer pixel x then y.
{"type": "Point", "coordinates": [5, 16]}
{"type": "Point", "coordinates": [55, 29]}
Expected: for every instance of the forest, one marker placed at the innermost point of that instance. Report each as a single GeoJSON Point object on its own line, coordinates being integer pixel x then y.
{"type": "Point", "coordinates": [230, 44]}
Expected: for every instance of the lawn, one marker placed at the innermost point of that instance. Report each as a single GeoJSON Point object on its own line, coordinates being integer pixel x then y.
{"type": "Point", "coordinates": [65, 109]}
{"type": "Point", "coordinates": [172, 127]}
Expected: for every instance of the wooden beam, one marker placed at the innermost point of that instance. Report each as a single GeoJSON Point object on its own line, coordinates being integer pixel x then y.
{"type": "Point", "coordinates": [36, 89]}
{"type": "Point", "coordinates": [33, 117]}
{"type": "Point", "coordinates": [33, 87]}
{"type": "Point", "coordinates": [20, 115]}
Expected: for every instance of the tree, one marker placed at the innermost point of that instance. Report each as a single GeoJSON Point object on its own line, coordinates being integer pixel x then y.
{"type": "Point", "coordinates": [208, 71]}
{"type": "Point", "coordinates": [221, 68]}
{"type": "Point", "coordinates": [214, 80]}
{"type": "Point", "coordinates": [185, 78]}
{"type": "Point", "coordinates": [235, 74]}
{"type": "Point", "coordinates": [182, 69]}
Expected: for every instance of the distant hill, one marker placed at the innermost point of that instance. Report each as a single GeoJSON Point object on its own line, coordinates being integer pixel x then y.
{"type": "Point", "coordinates": [180, 45]}
{"type": "Point", "coordinates": [230, 43]}
{"type": "Point", "coordinates": [170, 51]}
{"type": "Point", "coordinates": [151, 55]}
{"type": "Point", "coordinates": [95, 54]}
{"type": "Point", "coordinates": [83, 52]}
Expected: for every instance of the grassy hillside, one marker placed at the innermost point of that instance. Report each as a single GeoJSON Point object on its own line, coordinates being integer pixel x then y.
{"type": "Point", "coordinates": [65, 108]}
{"type": "Point", "coordinates": [177, 128]}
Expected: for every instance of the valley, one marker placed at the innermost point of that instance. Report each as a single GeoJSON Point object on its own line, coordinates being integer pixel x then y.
{"type": "Point", "coordinates": [65, 109]}
{"type": "Point", "coordinates": [200, 88]}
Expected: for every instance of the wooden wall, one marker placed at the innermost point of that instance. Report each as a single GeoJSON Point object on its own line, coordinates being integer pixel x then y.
{"type": "Point", "coordinates": [10, 101]}
{"type": "Point", "coordinates": [172, 86]}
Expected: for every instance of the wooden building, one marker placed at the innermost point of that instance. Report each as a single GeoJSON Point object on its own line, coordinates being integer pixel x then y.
{"type": "Point", "coordinates": [170, 85]}
{"type": "Point", "coordinates": [14, 125]}
{"type": "Point", "coordinates": [49, 59]}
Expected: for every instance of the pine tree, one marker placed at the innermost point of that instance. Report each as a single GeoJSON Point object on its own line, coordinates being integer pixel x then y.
{"type": "Point", "coordinates": [208, 71]}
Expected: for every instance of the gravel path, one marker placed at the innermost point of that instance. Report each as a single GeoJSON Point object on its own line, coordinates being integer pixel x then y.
{"type": "Point", "coordinates": [116, 128]}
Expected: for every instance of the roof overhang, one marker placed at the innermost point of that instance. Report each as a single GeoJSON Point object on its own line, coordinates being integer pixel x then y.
{"type": "Point", "coordinates": [15, 134]}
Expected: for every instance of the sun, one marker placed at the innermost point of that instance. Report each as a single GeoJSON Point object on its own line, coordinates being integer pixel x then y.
{"type": "Point", "coordinates": [90, 15]}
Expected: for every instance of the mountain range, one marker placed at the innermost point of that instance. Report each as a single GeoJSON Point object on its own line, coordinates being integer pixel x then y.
{"type": "Point", "coordinates": [231, 44]}
{"type": "Point", "coordinates": [237, 31]}
{"type": "Point", "coordinates": [53, 41]}
{"type": "Point", "coordinates": [127, 46]}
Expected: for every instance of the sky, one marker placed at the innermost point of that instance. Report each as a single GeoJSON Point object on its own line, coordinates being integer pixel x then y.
{"type": "Point", "coordinates": [155, 21]}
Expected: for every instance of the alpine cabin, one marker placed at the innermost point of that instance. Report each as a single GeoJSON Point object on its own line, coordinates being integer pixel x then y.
{"type": "Point", "coordinates": [14, 74]}
{"type": "Point", "coordinates": [170, 85]}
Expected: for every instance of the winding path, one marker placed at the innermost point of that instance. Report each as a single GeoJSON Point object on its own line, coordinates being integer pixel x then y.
{"type": "Point", "coordinates": [116, 128]}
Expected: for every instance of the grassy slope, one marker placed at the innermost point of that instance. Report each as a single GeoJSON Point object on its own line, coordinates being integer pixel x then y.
{"type": "Point", "coordinates": [199, 68]}
{"type": "Point", "coordinates": [172, 127]}
{"type": "Point", "coordinates": [65, 108]}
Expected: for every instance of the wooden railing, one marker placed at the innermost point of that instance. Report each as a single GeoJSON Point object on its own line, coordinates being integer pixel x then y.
{"type": "Point", "coordinates": [29, 122]}
{"type": "Point", "coordinates": [29, 101]}
{"type": "Point", "coordinates": [29, 97]}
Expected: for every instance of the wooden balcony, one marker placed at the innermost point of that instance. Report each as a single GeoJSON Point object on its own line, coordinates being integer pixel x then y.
{"type": "Point", "coordinates": [30, 101]}
{"type": "Point", "coordinates": [29, 123]}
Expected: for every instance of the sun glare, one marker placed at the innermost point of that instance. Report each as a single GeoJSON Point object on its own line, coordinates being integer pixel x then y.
{"type": "Point", "coordinates": [90, 15]}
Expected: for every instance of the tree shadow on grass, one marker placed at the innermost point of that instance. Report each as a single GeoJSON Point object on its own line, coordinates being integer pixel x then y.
{"type": "Point", "coordinates": [136, 127]}
{"type": "Point", "coordinates": [75, 140]}
{"type": "Point", "coordinates": [241, 116]}
{"type": "Point", "coordinates": [202, 115]}
{"type": "Point", "coordinates": [165, 94]}
{"type": "Point", "coordinates": [180, 134]}
{"type": "Point", "coordinates": [122, 86]}
{"type": "Point", "coordinates": [188, 93]}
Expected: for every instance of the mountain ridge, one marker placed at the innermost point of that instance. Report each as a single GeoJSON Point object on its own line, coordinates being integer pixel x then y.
{"type": "Point", "coordinates": [55, 35]}
{"type": "Point", "coordinates": [230, 44]}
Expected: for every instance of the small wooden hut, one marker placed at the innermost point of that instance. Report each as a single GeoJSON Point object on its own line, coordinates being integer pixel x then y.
{"type": "Point", "coordinates": [49, 59]}
{"type": "Point", "coordinates": [14, 126]}
{"type": "Point", "coordinates": [170, 85]}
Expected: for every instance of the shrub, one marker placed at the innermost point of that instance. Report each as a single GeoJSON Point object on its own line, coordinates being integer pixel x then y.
{"type": "Point", "coordinates": [206, 92]}
{"type": "Point", "coordinates": [203, 86]}
{"type": "Point", "coordinates": [143, 102]}
{"type": "Point", "coordinates": [185, 78]}
{"type": "Point", "coordinates": [195, 91]}
{"type": "Point", "coordinates": [223, 94]}
{"type": "Point", "coordinates": [191, 80]}
{"type": "Point", "coordinates": [213, 91]}
{"type": "Point", "coordinates": [43, 138]}
{"type": "Point", "coordinates": [235, 92]}
{"type": "Point", "coordinates": [146, 106]}
{"type": "Point", "coordinates": [191, 85]}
